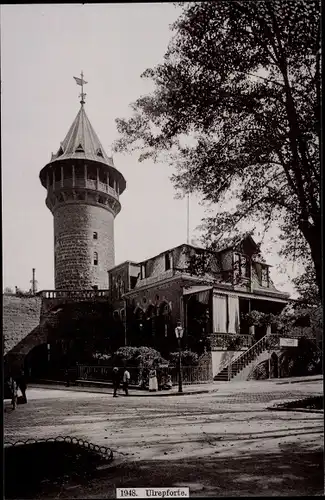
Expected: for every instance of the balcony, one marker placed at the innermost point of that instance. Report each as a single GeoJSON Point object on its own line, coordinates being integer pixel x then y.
{"type": "Point", "coordinates": [88, 184]}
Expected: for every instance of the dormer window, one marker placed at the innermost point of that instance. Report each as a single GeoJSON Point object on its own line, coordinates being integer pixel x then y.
{"type": "Point", "coordinates": [99, 153]}
{"type": "Point", "coordinates": [80, 149]}
{"type": "Point", "coordinates": [168, 259]}
{"type": "Point", "coordinates": [265, 276]}
{"type": "Point", "coordinates": [95, 258]}
{"type": "Point", "coordinates": [241, 265]}
{"type": "Point", "coordinates": [143, 271]}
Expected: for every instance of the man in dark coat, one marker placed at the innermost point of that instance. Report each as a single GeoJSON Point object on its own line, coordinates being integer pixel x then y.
{"type": "Point", "coordinates": [115, 380]}
{"type": "Point", "coordinates": [22, 384]}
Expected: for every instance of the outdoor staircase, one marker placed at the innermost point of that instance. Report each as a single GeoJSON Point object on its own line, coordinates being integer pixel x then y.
{"type": "Point", "coordinates": [236, 366]}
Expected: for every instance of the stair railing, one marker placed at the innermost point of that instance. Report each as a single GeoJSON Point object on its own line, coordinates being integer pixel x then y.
{"type": "Point", "coordinates": [250, 354]}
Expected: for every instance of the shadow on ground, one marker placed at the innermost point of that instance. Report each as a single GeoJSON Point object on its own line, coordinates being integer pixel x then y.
{"type": "Point", "coordinates": [32, 468]}
{"type": "Point", "coordinates": [292, 471]}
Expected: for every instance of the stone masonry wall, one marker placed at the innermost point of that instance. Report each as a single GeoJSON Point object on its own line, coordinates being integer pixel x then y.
{"type": "Point", "coordinates": [20, 317]}
{"type": "Point", "coordinates": [74, 225]}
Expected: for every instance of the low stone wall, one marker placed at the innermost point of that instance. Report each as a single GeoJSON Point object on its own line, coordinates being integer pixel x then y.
{"type": "Point", "coordinates": [21, 315]}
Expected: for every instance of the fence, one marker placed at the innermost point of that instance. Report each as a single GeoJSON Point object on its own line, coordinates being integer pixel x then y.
{"type": "Point", "coordinates": [190, 374]}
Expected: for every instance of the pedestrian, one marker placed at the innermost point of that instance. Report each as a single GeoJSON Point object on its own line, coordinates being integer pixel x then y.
{"type": "Point", "coordinates": [22, 384]}
{"type": "Point", "coordinates": [67, 377]}
{"type": "Point", "coordinates": [13, 391]}
{"type": "Point", "coordinates": [169, 383]}
{"type": "Point", "coordinates": [126, 379]}
{"type": "Point", "coordinates": [115, 380]}
{"type": "Point", "coordinates": [153, 383]}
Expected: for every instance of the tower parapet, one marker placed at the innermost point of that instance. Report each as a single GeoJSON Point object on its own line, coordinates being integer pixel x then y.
{"type": "Point", "coordinates": [83, 189]}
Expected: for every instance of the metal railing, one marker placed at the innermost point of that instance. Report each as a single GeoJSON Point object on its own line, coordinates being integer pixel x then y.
{"type": "Point", "coordinates": [223, 340]}
{"type": "Point", "coordinates": [85, 183]}
{"type": "Point", "coordinates": [246, 357]}
{"type": "Point", "coordinates": [190, 374]}
{"type": "Point", "coordinates": [73, 294]}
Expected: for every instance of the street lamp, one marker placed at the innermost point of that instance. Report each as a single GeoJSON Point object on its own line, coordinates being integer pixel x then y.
{"type": "Point", "coordinates": [179, 334]}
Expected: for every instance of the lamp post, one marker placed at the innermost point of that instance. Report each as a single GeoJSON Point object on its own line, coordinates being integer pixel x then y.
{"type": "Point", "coordinates": [179, 334]}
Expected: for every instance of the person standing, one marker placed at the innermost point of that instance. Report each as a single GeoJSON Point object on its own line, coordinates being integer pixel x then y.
{"type": "Point", "coordinates": [12, 383]}
{"type": "Point", "coordinates": [22, 384]}
{"type": "Point", "coordinates": [126, 379]}
{"type": "Point", "coordinates": [153, 383]}
{"type": "Point", "coordinates": [115, 380]}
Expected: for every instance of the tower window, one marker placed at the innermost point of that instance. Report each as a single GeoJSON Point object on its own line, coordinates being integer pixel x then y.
{"type": "Point", "coordinates": [80, 149]}
{"type": "Point", "coordinates": [99, 152]}
{"type": "Point", "coordinates": [95, 235]}
{"type": "Point", "coordinates": [95, 258]}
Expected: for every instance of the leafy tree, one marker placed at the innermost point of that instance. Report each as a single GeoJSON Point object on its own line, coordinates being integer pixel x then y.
{"type": "Point", "coordinates": [241, 80]}
{"type": "Point", "coordinates": [306, 285]}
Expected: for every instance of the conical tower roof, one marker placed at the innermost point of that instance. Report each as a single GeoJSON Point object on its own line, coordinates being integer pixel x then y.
{"type": "Point", "coordinates": [82, 142]}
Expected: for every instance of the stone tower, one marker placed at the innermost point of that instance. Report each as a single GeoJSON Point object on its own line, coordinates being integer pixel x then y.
{"type": "Point", "coordinates": [83, 189]}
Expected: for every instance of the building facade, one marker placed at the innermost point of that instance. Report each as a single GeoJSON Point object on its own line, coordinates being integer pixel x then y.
{"type": "Point", "coordinates": [208, 292]}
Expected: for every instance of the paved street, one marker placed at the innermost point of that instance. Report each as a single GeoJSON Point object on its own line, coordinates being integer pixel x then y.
{"type": "Point", "coordinates": [221, 443]}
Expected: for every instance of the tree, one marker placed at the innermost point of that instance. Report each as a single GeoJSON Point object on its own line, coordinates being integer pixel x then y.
{"type": "Point", "coordinates": [241, 80]}
{"type": "Point", "coordinates": [306, 286]}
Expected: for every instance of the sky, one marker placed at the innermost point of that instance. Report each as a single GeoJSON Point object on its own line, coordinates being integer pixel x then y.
{"type": "Point", "coordinates": [42, 48]}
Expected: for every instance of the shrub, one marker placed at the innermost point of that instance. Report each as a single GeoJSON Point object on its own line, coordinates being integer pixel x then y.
{"type": "Point", "coordinates": [189, 358]}
{"type": "Point", "coordinates": [146, 357]}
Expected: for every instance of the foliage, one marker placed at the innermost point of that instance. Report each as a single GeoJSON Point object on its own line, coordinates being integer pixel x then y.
{"type": "Point", "coordinates": [235, 342]}
{"type": "Point", "coordinates": [302, 360]}
{"type": "Point", "coordinates": [8, 290]}
{"type": "Point", "coordinates": [100, 356]}
{"type": "Point", "coordinates": [147, 357]}
{"type": "Point", "coordinates": [236, 108]}
{"type": "Point", "coordinates": [258, 318]}
{"type": "Point", "coordinates": [306, 286]}
{"type": "Point", "coordinates": [189, 358]}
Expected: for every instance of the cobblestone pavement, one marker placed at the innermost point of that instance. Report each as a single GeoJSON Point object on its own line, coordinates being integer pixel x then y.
{"type": "Point", "coordinates": [229, 424]}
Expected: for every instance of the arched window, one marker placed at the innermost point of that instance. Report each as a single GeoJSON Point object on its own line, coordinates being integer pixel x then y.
{"type": "Point", "coordinates": [95, 235]}
{"type": "Point", "coordinates": [95, 258]}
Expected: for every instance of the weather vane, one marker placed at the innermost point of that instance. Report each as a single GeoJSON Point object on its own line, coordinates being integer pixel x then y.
{"type": "Point", "coordinates": [81, 82]}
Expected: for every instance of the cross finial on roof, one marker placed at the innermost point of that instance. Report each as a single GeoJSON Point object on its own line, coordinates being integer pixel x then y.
{"type": "Point", "coordinates": [81, 82]}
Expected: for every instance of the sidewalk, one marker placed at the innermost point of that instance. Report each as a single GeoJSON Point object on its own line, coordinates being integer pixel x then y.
{"type": "Point", "coordinates": [107, 388]}
{"type": "Point", "coordinates": [192, 389]}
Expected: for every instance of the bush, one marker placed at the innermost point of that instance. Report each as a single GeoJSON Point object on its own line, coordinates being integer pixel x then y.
{"type": "Point", "coordinates": [189, 358]}
{"type": "Point", "coordinates": [305, 359]}
{"type": "Point", "coordinates": [146, 357]}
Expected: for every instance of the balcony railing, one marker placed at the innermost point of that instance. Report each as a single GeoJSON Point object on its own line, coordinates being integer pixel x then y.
{"type": "Point", "coordinates": [73, 294]}
{"type": "Point", "coordinates": [88, 184]}
{"type": "Point", "coordinates": [224, 340]}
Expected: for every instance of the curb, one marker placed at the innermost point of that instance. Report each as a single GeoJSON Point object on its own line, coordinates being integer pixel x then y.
{"type": "Point", "coordinates": [300, 381]}
{"type": "Point", "coordinates": [107, 390]}
{"type": "Point", "coordinates": [301, 410]}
